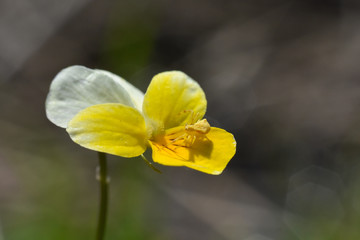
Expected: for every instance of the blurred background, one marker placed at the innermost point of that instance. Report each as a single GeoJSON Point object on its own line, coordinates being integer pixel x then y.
{"type": "Point", "coordinates": [282, 75]}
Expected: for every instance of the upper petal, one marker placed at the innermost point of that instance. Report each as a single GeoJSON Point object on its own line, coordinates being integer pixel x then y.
{"type": "Point", "coordinates": [77, 87]}
{"type": "Point", "coordinates": [172, 99]}
{"type": "Point", "coordinates": [112, 128]}
{"type": "Point", "coordinates": [209, 154]}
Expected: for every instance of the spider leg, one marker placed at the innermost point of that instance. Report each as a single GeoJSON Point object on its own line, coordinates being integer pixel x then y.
{"type": "Point", "coordinates": [179, 137]}
{"type": "Point", "coordinates": [190, 140]}
{"type": "Point", "coordinates": [192, 117]}
{"type": "Point", "coordinates": [196, 116]}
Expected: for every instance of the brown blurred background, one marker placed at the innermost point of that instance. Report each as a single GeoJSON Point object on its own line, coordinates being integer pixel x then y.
{"type": "Point", "coordinates": [283, 76]}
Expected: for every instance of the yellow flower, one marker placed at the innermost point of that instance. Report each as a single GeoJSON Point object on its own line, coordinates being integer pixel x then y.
{"type": "Point", "coordinates": [168, 118]}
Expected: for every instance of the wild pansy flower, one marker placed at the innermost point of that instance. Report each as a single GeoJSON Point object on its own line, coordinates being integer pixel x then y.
{"type": "Point", "coordinates": [103, 112]}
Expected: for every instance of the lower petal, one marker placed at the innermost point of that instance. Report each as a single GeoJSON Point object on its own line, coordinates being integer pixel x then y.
{"type": "Point", "coordinates": [111, 128]}
{"type": "Point", "coordinates": [209, 154]}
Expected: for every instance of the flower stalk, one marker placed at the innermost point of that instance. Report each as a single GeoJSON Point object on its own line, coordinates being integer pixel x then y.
{"type": "Point", "coordinates": [104, 195]}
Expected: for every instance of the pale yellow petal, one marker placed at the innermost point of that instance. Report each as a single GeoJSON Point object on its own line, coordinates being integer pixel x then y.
{"type": "Point", "coordinates": [173, 99]}
{"type": "Point", "coordinates": [208, 154]}
{"type": "Point", "coordinates": [111, 128]}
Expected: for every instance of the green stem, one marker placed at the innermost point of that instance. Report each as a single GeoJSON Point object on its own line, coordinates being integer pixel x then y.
{"type": "Point", "coordinates": [104, 184]}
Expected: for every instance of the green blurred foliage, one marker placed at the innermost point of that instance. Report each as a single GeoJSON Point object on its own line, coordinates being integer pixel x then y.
{"type": "Point", "coordinates": [130, 37]}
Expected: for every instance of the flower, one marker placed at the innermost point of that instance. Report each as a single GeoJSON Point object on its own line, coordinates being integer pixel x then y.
{"type": "Point", "coordinates": [103, 112]}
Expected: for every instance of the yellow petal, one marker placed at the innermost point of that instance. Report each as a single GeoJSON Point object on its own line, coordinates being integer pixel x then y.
{"type": "Point", "coordinates": [173, 99]}
{"type": "Point", "coordinates": [111, 128]}
{"type": "Point", "coordinates": [209, 154]}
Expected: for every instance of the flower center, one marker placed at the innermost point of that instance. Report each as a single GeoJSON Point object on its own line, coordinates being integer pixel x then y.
{"type": "Point", "coordinates": [201, 127]}
{"type": "Point", "coordinates": [188, 135]}
{"type": "Point", "coordinates": [179, 139]}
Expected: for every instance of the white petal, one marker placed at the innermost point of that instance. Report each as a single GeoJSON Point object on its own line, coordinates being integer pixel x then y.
{"type": "Point", "coordinates": [136, 95]}
{"type": "Point", "coordinates": [76, 88]}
